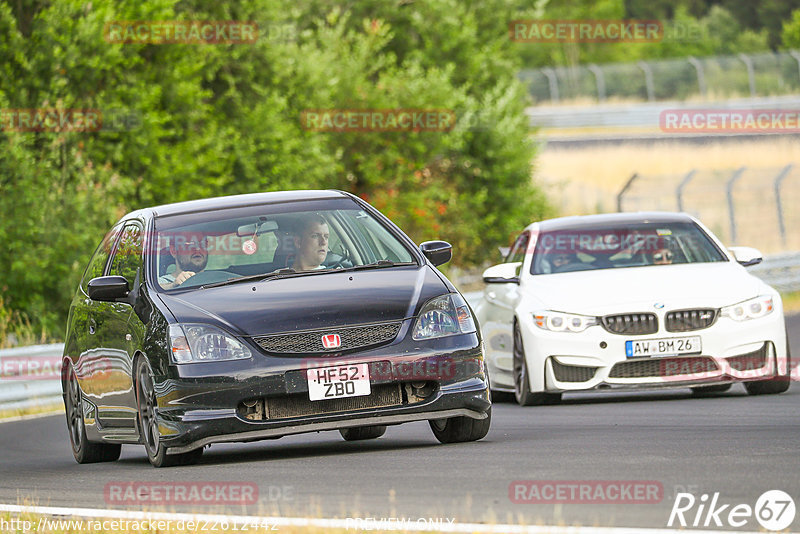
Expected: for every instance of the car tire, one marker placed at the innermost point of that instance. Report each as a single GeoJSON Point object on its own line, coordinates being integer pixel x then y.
{"type": "Point", "coordinates": [522, 388]}
{"type": "Point", "coordinates": [85, 451]}
{"type": "Point", "coordinates": [362, 432]}
{"type": "Point", "coordinates": [777, 384]}
{"type": "Point", "coordinates": [461, 429]}
{"type": "Point", "coordinates": [702, 391]}
{"type": "Point", "coordinates": [147, 420]}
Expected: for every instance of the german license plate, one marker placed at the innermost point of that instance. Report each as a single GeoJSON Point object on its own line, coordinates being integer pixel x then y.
{"type": "Point", "coordinates": [338, 381]}
{"type": "Point", "coordinates": [647, 348]}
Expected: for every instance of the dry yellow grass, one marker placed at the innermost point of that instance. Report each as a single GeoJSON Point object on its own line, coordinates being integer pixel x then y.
{"type": "Point", "coordinates": [587, 180]}
{"type": "Point", "coordinates": [46, 409]}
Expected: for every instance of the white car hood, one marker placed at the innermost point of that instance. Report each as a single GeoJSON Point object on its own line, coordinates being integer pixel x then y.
{"type": "Point", "coordinates": [640, 289]}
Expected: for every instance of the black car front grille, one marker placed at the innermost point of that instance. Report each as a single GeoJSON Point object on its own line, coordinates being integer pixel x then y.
{"type": "Point", "coordinates": [663, 367]}
{"type": "Point", "coordinates": [352, 337]}
{"type": "Point", "coordinates": [572, 373]}
{"type": "Point", "coordinates": [750, 361]}
{"type": "Point", "coordinates": [299, 405]}
{"type": "Point", "coordinates": [688, 320]}
{"type": "Point", "coordinates": [636, 324]}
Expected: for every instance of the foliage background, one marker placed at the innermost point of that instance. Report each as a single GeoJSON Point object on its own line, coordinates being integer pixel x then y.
{"type": "Point", "coordinates": [224, 119]}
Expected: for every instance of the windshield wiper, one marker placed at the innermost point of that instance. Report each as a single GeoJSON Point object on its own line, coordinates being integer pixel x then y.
{"type": "Point", "coordinates": [251, 278]}
{"type": "Point", "coordinates": [376, 265]}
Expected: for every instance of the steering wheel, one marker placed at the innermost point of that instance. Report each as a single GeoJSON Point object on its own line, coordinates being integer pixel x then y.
{"type": "Point", "coordinates": [337, 261]}
{"type": "Point", "coordinates": [573, 267]}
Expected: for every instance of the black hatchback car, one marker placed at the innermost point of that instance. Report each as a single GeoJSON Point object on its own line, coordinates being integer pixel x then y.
{"type": "Point", "coordinates": [258, 316]}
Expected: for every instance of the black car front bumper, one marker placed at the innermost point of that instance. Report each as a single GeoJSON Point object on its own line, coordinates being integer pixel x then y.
{"type": "Point", "coordinates": [207, 403]}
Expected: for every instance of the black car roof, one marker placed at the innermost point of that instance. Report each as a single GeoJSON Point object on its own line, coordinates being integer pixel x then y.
{"type": "Point", "coordinates": [605, 219]}
{"type": "Point", "coordinates": [235, 201]}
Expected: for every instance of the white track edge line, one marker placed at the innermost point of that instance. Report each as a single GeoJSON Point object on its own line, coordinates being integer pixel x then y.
{"type": "Point", "coordinates": [348, 524]}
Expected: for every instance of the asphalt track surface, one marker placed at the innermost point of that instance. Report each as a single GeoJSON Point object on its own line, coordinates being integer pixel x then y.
{"type": "Point", "coordinates": [734, 444]}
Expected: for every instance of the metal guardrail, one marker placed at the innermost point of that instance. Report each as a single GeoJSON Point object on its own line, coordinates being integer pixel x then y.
{"type": "Point", "coordinates": [30, 376]}
{"type": "Point", "coordinates": [642, 114]}
{"type": "Point", "coordinates": [781, 271]}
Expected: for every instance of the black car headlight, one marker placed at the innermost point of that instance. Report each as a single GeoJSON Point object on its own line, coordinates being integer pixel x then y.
{"type": "Point", "coordinates": [446, 315]}
{"type": "Point", "coordinates": [204, 343]}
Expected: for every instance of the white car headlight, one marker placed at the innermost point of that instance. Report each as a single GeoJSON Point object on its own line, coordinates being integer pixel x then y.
{"type": "Point", "coordinates": [204, 343]}
{"type": "Point", "coordinates": [446, 315]}
{"type": "Point", "coordinates": [749, 309]}
{"type": "Point", "coordinates": [563, 322]}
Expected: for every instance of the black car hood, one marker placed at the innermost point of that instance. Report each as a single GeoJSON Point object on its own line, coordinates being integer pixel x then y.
{"type": "Point", "coordinates": [315, 301]}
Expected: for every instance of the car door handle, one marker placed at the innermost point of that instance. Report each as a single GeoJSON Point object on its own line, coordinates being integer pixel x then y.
{"type": "Point", "coordinates": [92, 326]}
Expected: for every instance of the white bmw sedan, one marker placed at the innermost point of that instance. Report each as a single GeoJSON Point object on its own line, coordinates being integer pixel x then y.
{"type": "Point", "coordinates": [629, 300]}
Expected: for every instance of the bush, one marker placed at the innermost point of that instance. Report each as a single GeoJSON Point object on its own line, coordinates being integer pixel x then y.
{"type": "Point", "coordinates": [225, 119]}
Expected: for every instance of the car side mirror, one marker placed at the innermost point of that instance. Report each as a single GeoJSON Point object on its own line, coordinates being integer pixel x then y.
{"type": "Point", "coordinates": [437, 252]}
{"type": "Point", "coordinates": [746, 256]}
{"type": "Point", "coordinates": [505, 273]}
{"type": "Point", "coordinates": [108, 288]}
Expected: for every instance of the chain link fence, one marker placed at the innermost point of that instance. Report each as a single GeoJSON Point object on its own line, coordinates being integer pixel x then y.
{"type": "Point", "coordinates": [758, 207]}
{"type": "Point", "coordinates": [715, 77]}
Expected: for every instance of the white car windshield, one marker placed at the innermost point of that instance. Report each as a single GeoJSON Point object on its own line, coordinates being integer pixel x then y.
{"type": "Point", "coordinates": [631, 245]}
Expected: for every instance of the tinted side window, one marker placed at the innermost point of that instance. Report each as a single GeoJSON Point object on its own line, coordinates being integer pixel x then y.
{"type": "Point", "coordinates": [97, 265]}
{"type": "Point", "coordinates": [518, 250]}
{"type": "Point", "coordinates": [128, 256]}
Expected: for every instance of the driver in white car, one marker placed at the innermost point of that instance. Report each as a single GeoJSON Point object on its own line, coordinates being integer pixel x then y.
{"type": "Point", "coordinates": [562, 260]}
{"type": "Point", "coordinates": [191, 257]}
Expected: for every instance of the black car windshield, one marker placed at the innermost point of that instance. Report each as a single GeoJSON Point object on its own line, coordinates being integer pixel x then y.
{"type": "Point", "coordinates": [270, 241]}
{"type": "Point", "coordinates": [629, 245]}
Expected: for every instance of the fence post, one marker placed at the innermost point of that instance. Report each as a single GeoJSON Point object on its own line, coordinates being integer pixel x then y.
{"type": "Point", "coordinates": [684, 183]}
{"type": "Point", "coordinates": [777, 184]}
{"type": "Point", "coordinates": [624, 189]}
{"type": "Point", "coordinates": [648, 80]}
{"type": "Point", "coordinates": [701, 77]}
{"type": "Point", "coordinates": [552, 80]}
{"type": "Point", "coordinates": [751, 75]}
{"type": "Point", "coordinates": [796, 55]}
{"type": "Point", "coordinates": [600, 80]}
{"type": "Point", "coordinates": [731, 209]}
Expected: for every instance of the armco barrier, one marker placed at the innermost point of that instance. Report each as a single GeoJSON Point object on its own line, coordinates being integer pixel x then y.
{"type": "Point", "coordinates": [27, 386]}
{"type": "Point", "coordinates": [781, 271]}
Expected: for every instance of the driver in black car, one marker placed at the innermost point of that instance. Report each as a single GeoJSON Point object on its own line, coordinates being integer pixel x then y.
{"type": "Point", "coordinates": [191, 257]}
{"type": "Point", "coordinates": [311, 244]}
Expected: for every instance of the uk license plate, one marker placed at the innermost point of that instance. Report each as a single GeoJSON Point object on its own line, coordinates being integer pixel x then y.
{"type": "Point", "coordinates": [338, 381]}
{"type": "Point", "coordinates": [647, 348]}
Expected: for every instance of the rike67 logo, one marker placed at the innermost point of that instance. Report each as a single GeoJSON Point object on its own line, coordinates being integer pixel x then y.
{"type": "Point", "coordinates": [774, 510]}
